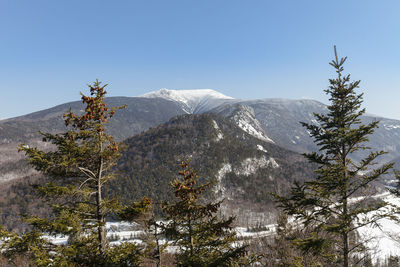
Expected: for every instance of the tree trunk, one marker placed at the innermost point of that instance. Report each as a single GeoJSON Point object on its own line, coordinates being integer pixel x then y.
{"type": "Point", "coordinates": [101, 222]}
{"type": "Point", "coordinates": [158, 257]}
{"type": "Point", "coordinates": [345, 250]}
{"type": "Point", "coordinates": [345, 232]}
{"type": "Point", "coordinates": [191, 238]}
{"type": "Point", "coordinates": [345, 235]}
{"type": "Point", "coordinates": [100, 216]}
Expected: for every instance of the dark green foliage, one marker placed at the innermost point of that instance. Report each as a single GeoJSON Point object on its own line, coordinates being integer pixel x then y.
{"type": "Point", "coordinates": [77, 168]}
{"type": "Point", "coordinates": [326, 202]}
{"type": "Point", "coordinates": [136, 210]}
{"type": "Point", "coordinates": [30, 245]}
{"type": "Point", "coordinates": [203, 239]}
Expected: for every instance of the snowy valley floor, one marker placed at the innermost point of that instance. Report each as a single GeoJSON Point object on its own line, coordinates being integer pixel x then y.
{"type": "Point", "coordinates": [383, 241]}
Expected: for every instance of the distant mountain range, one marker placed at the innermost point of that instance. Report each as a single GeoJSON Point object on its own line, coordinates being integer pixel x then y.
{"type": "Point", "coordinates": [272, 120]}
{"type": "Point", "coordinates": [248, 147]}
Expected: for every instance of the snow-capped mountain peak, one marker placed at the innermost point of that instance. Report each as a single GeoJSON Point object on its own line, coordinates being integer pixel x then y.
{"type": "Point", "coordinates": [192, 101]}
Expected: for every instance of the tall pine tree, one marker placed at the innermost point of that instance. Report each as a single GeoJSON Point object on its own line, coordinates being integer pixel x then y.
{"type": "Point", "coordinates": [335, 202]}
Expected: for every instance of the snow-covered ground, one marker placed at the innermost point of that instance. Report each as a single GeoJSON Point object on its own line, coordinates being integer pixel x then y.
{"type": "Point", "coordinates": [245, 233]}
{"type": "Point", "coordinates": [383, 241]}
{"type": "Point", "coordinates": [120, 232]}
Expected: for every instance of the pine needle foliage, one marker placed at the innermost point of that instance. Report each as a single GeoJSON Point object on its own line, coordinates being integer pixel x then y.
{"type": "Point", "coordinates": [30, 245]}
{"type": "Point", "coordinates": [79, 167]}
{"type": "Point", "coordinates": [328, 203]}
{"type": "Point", "coordinates": [203, 239]}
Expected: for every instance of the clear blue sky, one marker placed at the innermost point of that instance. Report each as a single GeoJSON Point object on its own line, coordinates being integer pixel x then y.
{"type": "Point", "coordinates": [245, 49]}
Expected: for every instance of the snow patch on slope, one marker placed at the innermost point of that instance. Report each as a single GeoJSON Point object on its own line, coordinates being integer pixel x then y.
{"type": "Point", "coordinates": [273, 163]}
{"type": "Point", "coordinates": [191, 101]}
{"type": "Point", "coordinates": [391, 126]}
{"type": "Point", "coordinates": [219, 188]}
{"type": "Point", "coordinates": [220, 135]}
{"type": "Point", "coordinates": [245, 118]}
{"type": "Point", "coordinates": [261, 148]}
{"type": "Point", "coordinates": [247, 127]}
{"type": "Point", "coordinates": [251, 165]}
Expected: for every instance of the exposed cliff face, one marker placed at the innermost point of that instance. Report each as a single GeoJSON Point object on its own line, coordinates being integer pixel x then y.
{"type": "Point", "coordinates": [244, 117]}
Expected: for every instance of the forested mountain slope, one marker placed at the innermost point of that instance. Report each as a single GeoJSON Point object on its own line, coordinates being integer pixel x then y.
{"type": "Point", "coordinates": [139, 115]}
{"type": "Point", "coordinates": [274, 120]}
{"type": "Point", "coordinates": [227, 147]}
{"type": "Point", "coordinates": [244, 169]}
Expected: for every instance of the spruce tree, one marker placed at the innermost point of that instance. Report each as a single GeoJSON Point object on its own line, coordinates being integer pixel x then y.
{"type": "Point", "coordinates": [203, 239]}
{"type": "Point", "coordinates": [335, 202]}
{"type": "Point", "coordinates": [79, 166]}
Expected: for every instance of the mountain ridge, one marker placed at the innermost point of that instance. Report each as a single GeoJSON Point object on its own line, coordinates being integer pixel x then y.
{"type": "Point", "coordinates": [193, 101]}
{"type": "Point", "coordinates": [270, 119]}
{"type": "Point", "coordinates": [153, 127]}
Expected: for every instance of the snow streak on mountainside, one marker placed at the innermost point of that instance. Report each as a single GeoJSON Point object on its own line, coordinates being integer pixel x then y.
{"type": "Point", "coordinates": [192, 101]}
{"type": "Point", "coordinates": [220, 135]}
{"type": "Point", "coordinates": [219, 188]}
{"type": "Point", "coordinates": [244, 117]}
{"type": "Point", "coordinates": [251, 165]}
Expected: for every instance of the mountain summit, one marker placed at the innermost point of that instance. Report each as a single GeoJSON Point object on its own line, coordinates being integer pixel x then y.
{"type": "Point", "coordinates": [192, 101]}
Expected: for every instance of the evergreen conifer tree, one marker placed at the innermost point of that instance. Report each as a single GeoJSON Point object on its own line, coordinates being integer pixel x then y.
{"type": "Point", "coordinates": [328, 203]}
{"type": "Point", "coordinates": [203, 239]}
{"type": "Point", "coordinates": [78, 167]}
